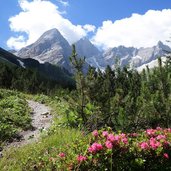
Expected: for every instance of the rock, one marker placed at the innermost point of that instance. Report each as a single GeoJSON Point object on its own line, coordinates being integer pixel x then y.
{"type": "Point", "coordinates": [51, 47]}
{"type": "Point", "coordinates": [45, 114]}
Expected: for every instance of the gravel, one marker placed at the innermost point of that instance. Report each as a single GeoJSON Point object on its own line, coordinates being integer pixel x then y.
{"type": "Point", "coordinates": [41, 120]}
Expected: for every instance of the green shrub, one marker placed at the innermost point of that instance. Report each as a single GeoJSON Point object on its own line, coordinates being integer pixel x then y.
{"type": "Point", "coordinates": [108, 150]}
{"type": "Point", "coordinates": [14, 114]}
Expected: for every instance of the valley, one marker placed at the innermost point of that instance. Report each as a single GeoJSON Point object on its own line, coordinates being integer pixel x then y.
{"type": "Point", "coordinates": [75, 107]}
{"type": "Point", "coordinates": [85, 85]}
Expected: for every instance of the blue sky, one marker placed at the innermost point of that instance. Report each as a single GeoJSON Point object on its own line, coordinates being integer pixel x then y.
{"type": "Point", "coordinates": [107, 23]}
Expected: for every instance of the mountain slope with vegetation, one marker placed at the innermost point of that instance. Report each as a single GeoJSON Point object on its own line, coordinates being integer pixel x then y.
{"type": "Point", "coordinates": [14, 115]}
{"type": "Point", "coordinates": [129, 113]}
{"type": "Point", "coordinates": [29, 75]}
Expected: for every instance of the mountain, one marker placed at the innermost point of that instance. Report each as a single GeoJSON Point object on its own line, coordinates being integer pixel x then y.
{"type": "Point", "coordinates": [133, 56]}
{"type": "Point", "coordinates": [91, 53]}
{"type": "Point", "coordinates": [122, 54]}
{"type": "Point", "coordinates": [47, 71]}
{"type": "Point", "coordinates": [146, 55]}
{"type": "Point", "coordinates": [51, 47]}
{"type": "Point", "coordinates": [151, 64]}
{"type": "Point", "coordinates": [85, 48]}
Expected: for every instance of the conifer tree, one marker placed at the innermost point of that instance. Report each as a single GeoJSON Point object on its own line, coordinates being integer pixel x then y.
{"type": "Point", "coordinates": [78, 64]}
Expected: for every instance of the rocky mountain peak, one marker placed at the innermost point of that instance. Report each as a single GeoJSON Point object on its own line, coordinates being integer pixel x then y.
{"type": "Point", "coordinates": [50, 47]}
{"type": "Point", "coordinates": [85, 48]}
{"type": "Point", "coordinates": [50, 35]}
{"type": "Point", "coordinates": [163, 47]}
{"type": "Point", "coordinates": [160, 43]}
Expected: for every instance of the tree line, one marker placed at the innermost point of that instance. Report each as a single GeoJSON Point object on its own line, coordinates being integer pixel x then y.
{"type": "Point", "coordinates": [30, 80]}
{"type": "Point", "coordinates": [121, 98]}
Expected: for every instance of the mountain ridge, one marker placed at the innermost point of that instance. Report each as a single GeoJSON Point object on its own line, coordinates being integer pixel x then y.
{"type": "Point", "coordinates": [46, 70]}
{"type": "Point", "coordinates": [52, 47]}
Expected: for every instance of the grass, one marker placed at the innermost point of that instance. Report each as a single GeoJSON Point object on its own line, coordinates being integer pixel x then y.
{"type": "Point", "coordinates": [52, 142]}
{"type": "Point", "coordinates": [14, 114]}
{"type": "Point", "coordinates": [29, 156]}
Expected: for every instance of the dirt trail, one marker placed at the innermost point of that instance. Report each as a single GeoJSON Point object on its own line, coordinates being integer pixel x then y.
{"type": "Point", "coordinates": [41, 120]}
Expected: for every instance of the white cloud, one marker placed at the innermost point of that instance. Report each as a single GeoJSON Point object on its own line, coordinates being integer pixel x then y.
{"type": "Point", "coordinates": [89, 28]}
{"type": "Point", "coordinates": [138, 30]}
{"type": "Point", "coordinates": [64, 3]}
{"type": "Point", "coordinates": [16, 42]}
{"type": "Point", "coordinates": [38, 16]}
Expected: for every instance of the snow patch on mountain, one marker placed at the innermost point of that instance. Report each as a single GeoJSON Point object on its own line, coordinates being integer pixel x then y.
{"type": "Point", "coordinates": [21, 63]}
{"type": "Point", "coordinates": [151, 64]}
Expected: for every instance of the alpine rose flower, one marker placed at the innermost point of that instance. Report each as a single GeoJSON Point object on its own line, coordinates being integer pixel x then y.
{"type": "Point", "coordinates": [150, 132]}
{"type": "Point", "coordinates": [154, 144]}
{"type": "Point", "coordinates": [98, 146]}
{"type": "Point", "coordinates": [159, 137]}
{"type": "Point", "coordinates": [95, 147]}
{"type": "Point", "coordinates": [125, 140]}
{"type": "Point", "coordinates": [166, 156]}
{"type": "Point", "coordinates": [111, 137]}
{"type": "Point", "coordinates": [109, 145]}
{"type": "Point", "coordinates": [62, 155]}
{"type": "Point", "coordinates": [81, 158]}
{"type": "Point", "coordinates": [105, 133]}
{"type": "Point", "coordinates": [117, 137]}
{"type": "Point", "coordinates": [95, 133]}
{"type": "Point", "coordinates": [144, 145]}
{"type": "Point", "coordinates": [159, 129]}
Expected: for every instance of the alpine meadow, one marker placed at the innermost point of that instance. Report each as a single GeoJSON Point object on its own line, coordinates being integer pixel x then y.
{"type": "Point", "coordinates": [85, 89]}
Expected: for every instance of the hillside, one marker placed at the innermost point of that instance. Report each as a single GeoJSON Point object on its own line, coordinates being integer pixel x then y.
{"type": "Point", "coordinates": [17, 73]}
{"type": "Point", "coordinates": [15, 115]}
{"type": "Point", "coordinates": [111, 117]}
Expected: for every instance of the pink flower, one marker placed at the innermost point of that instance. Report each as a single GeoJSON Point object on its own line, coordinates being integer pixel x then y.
{"type": "Point", "coordinates": [154, 144]}
{"type": "Point", "coordinates": [117, 137]}
{"type": "Point", "coordinates": [95, 147]}
{"type": "Point", "coordinates": [134, 134]}
{"type": "Point", "coordinates": [122, 135]}
{"type": "Point", "coordinates": [105, 133]}
{"type": "Point", "coordinates": [95, 133]}
{"type": "Point", "coordinates": [62, 155]}
{"type": "Point", "coordinates": [150, 132]}
{"type": "Point", "coordinates": [144, 145]}
{"type": "Point", "coordinates": [91, 149]}
{"type": "Point", "coordinates": [169, 129]}
{"type": "Point", "coordinates": [165, 144]}
{"type": "Point", "coordinates": [159, 128]}
{"type": "Point", "coordinates": [159, 137]}
{"type": "Point", "coordinates": [111, 137]}
{"type": "Point", "coordinates": [98, 147]}
{"type": "Point", "coordinates": [166, 156]}
{"type": "Point", "coordinates": [109, 145]}
{"type": "Point", "coordinates": [81, 158]}
{"type": "Point", "coordinates": [125, 140]}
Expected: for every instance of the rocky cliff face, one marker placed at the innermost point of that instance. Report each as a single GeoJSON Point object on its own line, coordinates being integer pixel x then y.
{"type": "Point", "coordinates": [133, 56]}
{"type": "Point", "coordinates": [93, 56]}
{"type": "Point", "coordinates": [85, 48]}
{"type": "Point", "coordinates": [52, 47]}
{"type": "Point", "coordinates": [121, 54]}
